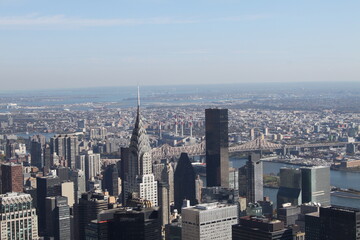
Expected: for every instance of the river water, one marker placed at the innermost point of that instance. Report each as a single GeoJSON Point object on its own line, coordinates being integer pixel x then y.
{"type": "Point", "coordinates": [337, 178]}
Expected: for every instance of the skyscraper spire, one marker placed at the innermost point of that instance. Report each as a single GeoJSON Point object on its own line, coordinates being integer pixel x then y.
{"type": "Point", "coordinates": [140, 179]}
{"type": "Point", "coordinates": [138, 97]}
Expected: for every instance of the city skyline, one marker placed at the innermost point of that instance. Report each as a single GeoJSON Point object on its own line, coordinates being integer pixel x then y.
{"type": "Point", "coordinates": [81, 44]}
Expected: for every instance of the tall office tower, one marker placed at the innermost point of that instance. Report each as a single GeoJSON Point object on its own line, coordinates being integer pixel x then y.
{"type": "Point", "coordinates": [139, 224]}
{"type": "Point", "coordinates": [48, 186]}
{"type": "Point", "coordinates": [47, 158]}
{"type": "Point", "coordinates": [11, 178]}
{"type": "Point", "coordinates": [58, 226]}
{"type": "Point", "coordinates": [92, 165]}
{"type": "Point", "coordinates": [167, 176]}
{"type": "Point", "coordinates": [36, 151]}
{"type": "Point", "coordinates": [164, 203]}
{"type": "Point", "coordinates": [10, 148]}
{"type": "Point", "coordinates": [316, 185]}
{"type": "Point", "coordinates": [242, 176]}
{"type": "Point", "coordinates": [80, 162]}
{"type": "Point", "coordinates": [89, 206]}
{"type": "Point", "coordinates": [234, 178]}
{"type": "Point", "coordinates": [67, 190]}
{"type": "Point", "coordinates": [333, 223]}
{"type": "Point", "coordinates": [111, 180]}
{"type": "Point", "coordinates": [124, 171]}
{"type": "Point", "coordinates": [140, 179]}
{"type": "Point", "coordinates": [78, 178]}
{"type": "Point", "coordinates": [208, 221]}
{"type": "Point", "coordinates": [164, 173]}
{"type": "Point", "coordinates": [18, 219]}
{"type": "Point", "coordinates": [217, 144]}
{"type": "Point", "coordinates": [256, 228]}
{"type": "Point", "coordinates": [251, 179]}
{"type": "Point", "coordinates": [290, 187]}
{"type": "Point", "coordinates": [66, 147]}
{"type": "Point", "coordinates": [184, 182]}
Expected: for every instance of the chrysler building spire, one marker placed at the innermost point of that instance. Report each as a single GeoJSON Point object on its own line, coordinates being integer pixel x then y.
{"type": "Point", "coordinates": [140, 178]}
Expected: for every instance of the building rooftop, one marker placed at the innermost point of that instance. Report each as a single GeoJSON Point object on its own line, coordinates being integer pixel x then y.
{"type": "Point", "coordinates": [208, 206]}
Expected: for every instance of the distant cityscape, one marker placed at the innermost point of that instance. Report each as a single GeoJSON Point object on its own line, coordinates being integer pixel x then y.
{"type": "Point", "coordinates": [250, 161]}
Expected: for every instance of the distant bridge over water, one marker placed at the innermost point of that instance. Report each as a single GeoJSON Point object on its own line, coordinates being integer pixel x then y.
{"type": "Point", "coordinates": [167, 151]}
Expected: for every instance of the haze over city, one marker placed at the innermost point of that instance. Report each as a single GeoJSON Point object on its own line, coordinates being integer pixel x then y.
{"type": "Point", "coordinates": [67, 44]}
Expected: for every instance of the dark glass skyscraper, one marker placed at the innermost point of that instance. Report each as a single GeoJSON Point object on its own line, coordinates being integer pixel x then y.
{"type": "Point", "coordinates": [46, 187]}
{"type": "Point", "coordinates": [58, 218]}
{"type": "Point", "coordinates": [137, 224]}
{"type": "Point", "coordinates": [316, 185]}
{"type": "Point", "coordinates": [89, 206]}
{"type": "Point", "coordinates": [217, 143]}
{"type": "Point", "coordinates": [251, 179]}
{"type": "Point", "coordinates": [184, 182]}
{"type": "Point", "coordinates": [36, 154]}
{"type": "Point", "coordinates": [290, 187]}
{"type": "Point", "coordinates": [333, 223]}
{"type": "Point", "coordinates": [111, 180]}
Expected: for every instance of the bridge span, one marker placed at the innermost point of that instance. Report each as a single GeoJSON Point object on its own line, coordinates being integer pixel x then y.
{"type": "Point", "coordinates": [166, 151]}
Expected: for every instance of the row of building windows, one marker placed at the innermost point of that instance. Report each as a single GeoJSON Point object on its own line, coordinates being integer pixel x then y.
{"type": "Point", "coordinates": [15, 207]}
{"type": "Point", "coordinates": [12, 215]}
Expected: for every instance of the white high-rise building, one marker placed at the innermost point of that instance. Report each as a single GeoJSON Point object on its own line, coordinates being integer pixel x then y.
{"type": "Point", "coordinates": [140, 178]}
{"type": "Point", "coordinates": [92, 164]}
{"type": "Point", "coordinates": [18, 219]}
{"type": "Point", "coordinates": [208, 221]}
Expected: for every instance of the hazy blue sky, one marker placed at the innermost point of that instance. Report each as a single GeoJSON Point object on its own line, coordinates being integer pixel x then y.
{"type": "Point", "coordinates": [49, 44]}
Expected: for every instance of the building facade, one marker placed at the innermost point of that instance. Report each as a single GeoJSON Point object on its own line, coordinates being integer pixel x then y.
{"type": "Point", "coordinates": [316, 185]}
{"type": "Point", "coordinates": [18, 219]}
{"type": "Point", "coordinates": [333, 223]}
{"type": "Point", "coordinates": [251, 179]}
{"type": "Point", "coordinates": [11, 178]}
{"type": "Point", "coordinates": [208, 221]}
{"type": "Point", "coordinates": [290, 190]}
{"type": "Point", "coordinates": [217, 144]}
{"type": "Point", "coordinates": [139, 178]}
{"type": "Point", "coordinates": [66, 148]}
{"type": "Point", "coordinates": [256, 228]}
{"type": "Point", "coordinates": [184, 182]}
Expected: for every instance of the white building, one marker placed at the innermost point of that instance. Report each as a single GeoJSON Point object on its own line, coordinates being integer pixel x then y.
{"type": "Point", "coordinates": [18, 219]}
{"type": "Point", "coordinates": [92, 164]}
{"type": "Point", "coordinates": [208, 221]}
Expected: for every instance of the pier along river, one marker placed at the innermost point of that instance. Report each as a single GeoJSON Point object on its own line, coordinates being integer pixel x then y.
{"type": "Point", "coordinates": [339, 179]}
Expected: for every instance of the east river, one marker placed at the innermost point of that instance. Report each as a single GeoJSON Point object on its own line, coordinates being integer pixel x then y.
{"type": "Point", "coordinates": [337, 178]}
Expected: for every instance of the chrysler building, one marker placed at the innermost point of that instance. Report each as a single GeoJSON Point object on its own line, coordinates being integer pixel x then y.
{"type": "Point", "coordinates": [140, 178]}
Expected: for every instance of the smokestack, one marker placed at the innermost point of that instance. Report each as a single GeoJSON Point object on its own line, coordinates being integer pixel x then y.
{"type": "Point", "coordinates": [182, 129]}
{"type": "Point", "coordinates": [160, 131]}
{"type": "Point", "coordinates": [176, 128]}
{"type": "Point", "coordinates": [191, 129]}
